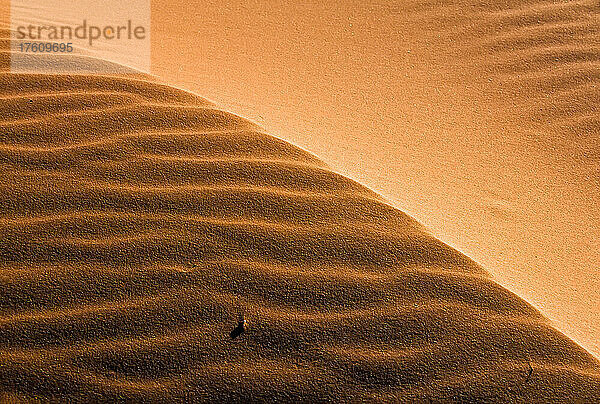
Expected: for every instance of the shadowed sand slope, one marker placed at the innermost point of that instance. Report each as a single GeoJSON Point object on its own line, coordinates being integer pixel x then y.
{"type": "Point", "coordinates": [138, 222]}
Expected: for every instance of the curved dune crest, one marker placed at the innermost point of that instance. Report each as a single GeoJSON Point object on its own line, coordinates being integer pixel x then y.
{"type": "Point", "coordinates": [138, 222]}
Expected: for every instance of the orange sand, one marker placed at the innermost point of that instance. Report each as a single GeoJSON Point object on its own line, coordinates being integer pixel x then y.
{"type": "Point", "coordinates": [138, 221]}
{"type": "Point", "coordinates": [479, 118]}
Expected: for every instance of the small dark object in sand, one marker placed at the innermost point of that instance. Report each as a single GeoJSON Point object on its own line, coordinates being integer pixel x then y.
{"type": "Point", "coordinates": [530, 371]}
{"type": "Point", "coordinates": [241, 327]}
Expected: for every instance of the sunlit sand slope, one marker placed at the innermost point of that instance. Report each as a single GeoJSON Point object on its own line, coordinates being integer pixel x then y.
{"type": "Point", "coordinates": [543, 57]}
{"type": "Point", "coordinates": [138, 222]}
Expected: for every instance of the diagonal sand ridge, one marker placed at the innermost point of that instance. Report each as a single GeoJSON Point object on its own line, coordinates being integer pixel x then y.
{"type": "Point", "coordinates": [132, 236]}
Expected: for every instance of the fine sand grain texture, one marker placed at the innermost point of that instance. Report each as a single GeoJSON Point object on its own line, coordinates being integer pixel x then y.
{"type": "Point", "coordinates": [479, 118]}
{"type": "Point", "coordinates": [138, 223]}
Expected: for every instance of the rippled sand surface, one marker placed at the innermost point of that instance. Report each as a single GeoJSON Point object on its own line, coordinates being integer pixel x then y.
{"type": "Point", "coordinates": [138, 222]}
{"type": "Point", "coordinates": [479, 118]}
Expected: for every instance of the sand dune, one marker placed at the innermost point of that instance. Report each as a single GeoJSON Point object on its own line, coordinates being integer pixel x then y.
{"type": "Point", "coordinates": [138, 221]}
{"type": "Point", "coordinates": [479, 118]}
